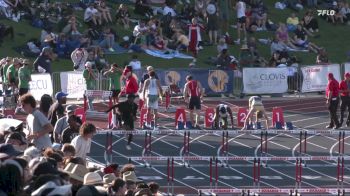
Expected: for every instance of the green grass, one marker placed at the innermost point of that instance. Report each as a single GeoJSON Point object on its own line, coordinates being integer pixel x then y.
{"type": "Point", "coordinates": [333, 37]}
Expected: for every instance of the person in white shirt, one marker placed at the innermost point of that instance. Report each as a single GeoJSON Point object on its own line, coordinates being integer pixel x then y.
{"type": "Point", "coordinates": [140, 31]}
{"type": "Point", "coordinates": [82, 142]}
{"type": "Point", "coordinates": [241, 8]}
{"type": "Point", "coordinates": [92, 14]}
{"type": "Point", "coordinates": [135, 63]}
{"type": "Point", "coordinates": [79, 57]}
{"type": "Point", "coordinates": [151, 92]}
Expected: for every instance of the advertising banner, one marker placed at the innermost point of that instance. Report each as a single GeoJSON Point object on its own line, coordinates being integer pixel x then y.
{"type": "Point", "coordinates": [41, 84]}
{"type": "Point", "coordinates": [315, 78]}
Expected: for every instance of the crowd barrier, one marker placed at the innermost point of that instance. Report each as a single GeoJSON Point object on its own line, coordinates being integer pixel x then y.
{"type": "Point", "coordinates": [303, 79]}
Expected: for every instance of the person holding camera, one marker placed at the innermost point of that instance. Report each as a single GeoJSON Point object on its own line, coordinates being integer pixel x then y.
{"type": "Point", "coordinates": [79, 57]}
{"type": "Point", "coordinates": [90, 76]}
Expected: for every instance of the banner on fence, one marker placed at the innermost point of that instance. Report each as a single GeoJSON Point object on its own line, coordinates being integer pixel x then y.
{"type": "Point", "coordinates": [315, 77]}
{"type": "Point", "coordinates": [265, 80]}
{"type": "Point", "coordinates": [73, 83]}
{"type": "Point", "coordinates": [41, 84]}
{"type": "Point", "coordinates": [346, 67]}
{"type": "Point", "coordinates": [213, 81]}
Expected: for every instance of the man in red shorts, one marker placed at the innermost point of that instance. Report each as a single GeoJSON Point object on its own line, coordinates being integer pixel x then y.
{"type": "Point", "coordinates": [193, 91]}
{"type": "Point", "coordinates": [332, 93]}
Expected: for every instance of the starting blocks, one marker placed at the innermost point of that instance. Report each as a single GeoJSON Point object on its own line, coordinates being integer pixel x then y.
{"type": "Point", "coordinates": [288, 126]}
{"type": "Point", "coordinates": [180, 125]}
{"type": "Point", "coordinates": [180, 116]}
{"type": "Point", "coordinates": [209, 117]}
{"type": "Point", "coordinates": [241, 116]}
{"type": "Point", "coordinates": [277, 116]}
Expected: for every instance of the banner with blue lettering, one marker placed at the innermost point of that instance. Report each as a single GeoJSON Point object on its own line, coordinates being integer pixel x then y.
{"type": "Point", "coordinates": [41, 84]}
{"type": "Point", "coordinates": [213, 81]}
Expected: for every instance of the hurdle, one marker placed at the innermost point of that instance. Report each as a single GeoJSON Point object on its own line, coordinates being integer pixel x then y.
{"type": "Point", "coordinates": [323, 191]}
{"type": "Point", "coordinates": [341, 143]}
{"type": "Point", "coordinates": [170, 175]}
{"type": "Point", "coordinates": [256, 172]}
{"type": "Point", "coordinates": [98, 94]}
{"type": "Point", "coordinates": [298, 172]}
{"type": "Point", "coordinates": [109, 148]}
{"type": "Point", "coordinates": [186, 147]}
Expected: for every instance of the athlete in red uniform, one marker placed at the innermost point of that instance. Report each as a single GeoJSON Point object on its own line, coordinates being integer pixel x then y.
{"type": "Point", "coordinates": [344, 90]}
{"type": "Point", "coordinates": [131, 86]}
{"type": "Point", "coordinates": [193, 91]}
{"type": "Point", "coordinates": [332, 93]}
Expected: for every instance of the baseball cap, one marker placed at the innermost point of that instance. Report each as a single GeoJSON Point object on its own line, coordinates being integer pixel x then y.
{"type": "Point", "coordinates": [60, 95]}
{"type": "Point", "coordinates": [7, 150]}
{"type": "Point", "coordinates": [88, 64]}
{"type": "Point", "coordinates": [70, 108]}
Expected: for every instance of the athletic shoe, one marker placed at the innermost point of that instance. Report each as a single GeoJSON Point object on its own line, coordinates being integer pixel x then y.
{"type": "Point", "coordinates": [111, 49]}
{"type": "Point", "coordinates": [329, 126]}
{"type": "Point", "coordinates": [238, 41]}
{"type": "Point", "coordinates": [155, 128]}
{"type": "Point", "coordinates": [128, 147]}
{"type": "Point", "coordinates": [337, 127]}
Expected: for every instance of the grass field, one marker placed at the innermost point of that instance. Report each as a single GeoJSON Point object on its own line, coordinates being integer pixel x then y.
{"type": "Point", "coordinates": [335, 38]}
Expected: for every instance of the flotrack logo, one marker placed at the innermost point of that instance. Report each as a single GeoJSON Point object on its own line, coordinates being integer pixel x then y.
{"type": "Point", "coordinates": [326, 12]}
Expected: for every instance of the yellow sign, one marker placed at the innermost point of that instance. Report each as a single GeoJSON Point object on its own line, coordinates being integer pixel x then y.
{"type": "Point", "coordinates": [172, 77]}
{"type": "Point", "coordinates": [217, 80]}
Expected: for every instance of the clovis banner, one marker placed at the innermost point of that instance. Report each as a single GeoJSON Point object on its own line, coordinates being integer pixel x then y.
{"type": "Point", "coordinates": [73, 83]}
{"type": "Point", "coordinates": [265, 80]}
{"type": "Point", "coordinates": [315, 77]}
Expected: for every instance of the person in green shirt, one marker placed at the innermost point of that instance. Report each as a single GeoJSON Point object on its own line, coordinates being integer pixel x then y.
{"type": "Point", "coordinates": [12, 74]}
{"type": "Point", "coordinates": [24, 76]}
{"type": "Point", "coordinates": [5, 66]}
{"type": "Point", "coordinates": [114, 75]}
{"type": "Point", "coordinates": [90, 76]}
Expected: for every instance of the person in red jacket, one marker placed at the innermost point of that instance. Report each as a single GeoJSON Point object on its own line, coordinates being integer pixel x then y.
{"type": "Point", "coordinates": [344, 90]}
{"type": "Point", "coordinates": [131, 86]}
{"type": "Point", "coordinates": [332, 93]}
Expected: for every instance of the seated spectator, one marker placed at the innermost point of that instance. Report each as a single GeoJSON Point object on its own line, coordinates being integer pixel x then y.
{"type": "Point", "coordinates": [295, 5]}
{"type": "Point", "coordinates": [159, 43]}
{"type": "Point", "coordinates": [283, 37]}
{"type": "Point", "coordinates": [71, 26]}
{"type": "Point", "coordinates": [275, 60]}
{"type": "Point", "coordinates": [322, 57]}
{"type": "Point", "coordinates": [245, 57]}
{"type": "Point", "coordinates": [292, 22]}
{"type": "Point", "coordinates": [187, 12]}
{"type": "Point", "coordinates": [259, 16]}
{"type": "Point", "coordinates": [123, 16]}
{"type": "Point", "coordinates": [221, 46]}
{"type": "Point", "coordinates": [309, 22]}
{"type": "Point", "coordinates": [118, 186]}
{"type": "Point", "coordinates": [91, 14]}
{"type": "Point", "coordinates": [62, 49]}
{"type": "Point", "coordinates": [68, 151]}
{"type": "Point", "coordinates": [10, 9]}
{"type": "Point", "coordinates": [252, 45]}
{"type": "Point", "coordinates": [140, 33]}
{"type": "Point", "coordinates": [105, 12]}
{"type": "Point", "coordinates": [143, 8]}
{"type": "Point", "coordinates": [345, 11]}
{"type": "Point", "coordinates": [101, 61]}
{"type": "Point", "coordinates": [45, 104]}
{"type": "Point", "coordinates": [224, 60]}
{"type": "Point", "coordinates": [42, 63]}
{"type": "Point", "coordinates": [69, 133]}
{"type": "Point", "coordinates": [108, 40]}
{"type": "Point", "coordinates": [300, 40]}
{"type": "Point", "coordinates": [182, 41]}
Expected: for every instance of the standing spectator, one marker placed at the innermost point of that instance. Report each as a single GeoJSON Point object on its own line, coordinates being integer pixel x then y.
{"type": "Point", "coordinates": [126, 113]}
{"type": "Point", "coordinates": [82, 142]}
{"type": "Point", "coordinates": [24, 75]}
{"type": "Point", "coordinates": [42, 64]}
{"type": "Point", "coordinates": [135, 63]}
{"type": "Point", "coordinates": [193, 94]}
{"type": "Point", "coordinates": [56, 110]}
{"type": "Point", "coordinates": [79, 57]}
{"type": "Point", "coordinates": [45, 104]}
{"type": "Point", "coordinates": [123, 15]}
{"type": "Point", "coordinates": [90, 77]}
{"type": "Point", "coordinates": [200, 7]}
{"type": "Point", "coordinates": [5, 66]}
{"type": "Point", "coordinates": [62, 123]}
{"type": "Point", "coordinates": [69, 133]}
{"type": "Point", "coordinates": [37, 124]}
{"type": "Point", "coordinates": [344, 91]}
{"type": "Point", "coordinates": [241, 23]}
{"type": "Point", "coordinates": [154, 90]}
{"type": "Point", "coordinates": [114, 75]}
{"type": "Point", "coordinates": [212, 22]}
{"type": "Point", "coordinates": [194, 35]}
{"type": "Point", "coordinates": [131, 86]}
{"type": "Point", "coordinates": [12, 74]}
{"type": "Point", "coordinates": [224, 15]}
{"type": "Point", "coordinates": [332, 93]}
